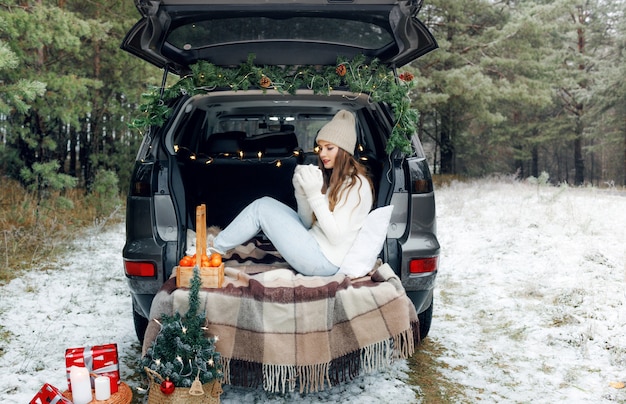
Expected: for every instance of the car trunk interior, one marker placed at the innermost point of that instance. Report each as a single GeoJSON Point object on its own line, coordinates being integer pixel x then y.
{"type": "Point", "coordinates": [231, 153]}
{"type": "Point", "coordinates": [229, 182]}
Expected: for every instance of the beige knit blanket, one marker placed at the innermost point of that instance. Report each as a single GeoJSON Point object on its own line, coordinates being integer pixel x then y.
{"type": "Point", "coordinates": [285, 331]}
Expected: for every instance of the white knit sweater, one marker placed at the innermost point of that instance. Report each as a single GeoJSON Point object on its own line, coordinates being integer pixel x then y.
{"type": "Point", "coordinates": [336, 231]}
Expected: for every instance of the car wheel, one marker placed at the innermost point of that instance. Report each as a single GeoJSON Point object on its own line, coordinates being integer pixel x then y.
{"type": "Point", "coordinates": [141, 323]}
{"type": "Point", "coordinates": [426, 318]}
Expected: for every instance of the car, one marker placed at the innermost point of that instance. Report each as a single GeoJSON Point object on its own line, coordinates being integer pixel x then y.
{"type": "Point", "coordinates": [257, 81]}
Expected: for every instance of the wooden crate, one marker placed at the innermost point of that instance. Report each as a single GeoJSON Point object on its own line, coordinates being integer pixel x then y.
{"type": "Point", "coordinates": [212, 277]}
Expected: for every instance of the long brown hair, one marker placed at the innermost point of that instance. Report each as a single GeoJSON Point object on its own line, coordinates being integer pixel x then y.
{"type": "Point", "coordinates": [345, 166]}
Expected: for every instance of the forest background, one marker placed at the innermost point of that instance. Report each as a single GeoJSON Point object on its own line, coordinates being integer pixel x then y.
{"type": "Point", "coordinates": [523, 87]}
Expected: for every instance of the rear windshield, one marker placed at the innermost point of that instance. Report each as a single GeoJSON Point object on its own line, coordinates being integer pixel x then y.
{"type": "Point", "coordinates": [201, 34]}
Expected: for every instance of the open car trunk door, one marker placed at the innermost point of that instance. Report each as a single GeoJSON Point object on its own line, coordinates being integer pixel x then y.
{"type": "Point", "coordinates": [179, 33]}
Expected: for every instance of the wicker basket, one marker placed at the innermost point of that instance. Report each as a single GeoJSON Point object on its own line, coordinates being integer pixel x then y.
{"type": "Point", "coordinates": [212, 392]}
{"type": "Point", "coordinates": [124, 395]}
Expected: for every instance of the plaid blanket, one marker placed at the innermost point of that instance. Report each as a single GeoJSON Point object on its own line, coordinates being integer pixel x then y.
{"type": "Point", "coordinates": [284, 330]}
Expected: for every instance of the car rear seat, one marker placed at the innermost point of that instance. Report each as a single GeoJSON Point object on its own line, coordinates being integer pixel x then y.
{"type": "Point", "coordinates": [237, 175]}
{"type": "Point", "coordinates": [223, 144]}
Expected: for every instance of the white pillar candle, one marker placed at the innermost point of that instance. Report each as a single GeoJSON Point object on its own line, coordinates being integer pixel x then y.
{"type": "Point", "coordinates": [103, 388]}
{"type": "Point", "coordinates": [81, 385]}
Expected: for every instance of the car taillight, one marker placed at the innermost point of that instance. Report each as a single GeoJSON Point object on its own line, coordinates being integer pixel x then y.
{"type": "Point", "coordinates": [423, 265]}
{"type": "Point", "coordinates": [421, 186]}
{"type": "Point", "coordinates": [141, 182]}
{"type": "Point", "coordinates": [140, 268]}
{"type": "Point", "coordinates": [420, 181]}
{"type": "Point", "coordinates": [140, 189]}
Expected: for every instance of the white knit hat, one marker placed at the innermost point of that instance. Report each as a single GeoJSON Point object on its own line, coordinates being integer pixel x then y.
{"type": "Point", "coordinates": [341, 130]}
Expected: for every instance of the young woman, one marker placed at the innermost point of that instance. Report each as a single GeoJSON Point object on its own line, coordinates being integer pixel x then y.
{"type": "Point", "coordinates": [333, 199]}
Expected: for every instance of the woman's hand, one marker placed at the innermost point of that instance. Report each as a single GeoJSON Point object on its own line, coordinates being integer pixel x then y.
{"type": "Point", "coordinates": [310, 179]}
{"type": "Point", "coordinates": [297, 186]}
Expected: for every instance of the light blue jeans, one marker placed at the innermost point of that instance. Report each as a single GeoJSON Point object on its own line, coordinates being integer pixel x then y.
{"type": "Point", "coordinates": [284, 229]}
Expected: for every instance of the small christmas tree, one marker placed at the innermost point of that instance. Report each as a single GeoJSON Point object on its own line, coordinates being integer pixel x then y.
{"type": "Point", "coordinates": [181, 352]}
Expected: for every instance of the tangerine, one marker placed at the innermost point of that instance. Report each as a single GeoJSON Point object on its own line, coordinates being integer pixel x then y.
{"type": "Point", "coordinates": [216, 260]}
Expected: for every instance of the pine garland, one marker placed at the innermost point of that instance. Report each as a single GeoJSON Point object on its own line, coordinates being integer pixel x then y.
{"type": "Point", "coordinates": [357, 76]}
{"type": "Point", "coordinates": [181, 351]}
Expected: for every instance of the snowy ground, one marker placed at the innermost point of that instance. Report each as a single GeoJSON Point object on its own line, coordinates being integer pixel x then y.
{"type": "Point", "coordinates": [532, 292]}
{"type": "Point", "coordinates": [530, 304]}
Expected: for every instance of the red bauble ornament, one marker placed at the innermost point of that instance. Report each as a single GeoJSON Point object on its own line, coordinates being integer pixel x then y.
{"type": "Point", "coordinates": [167, 387]}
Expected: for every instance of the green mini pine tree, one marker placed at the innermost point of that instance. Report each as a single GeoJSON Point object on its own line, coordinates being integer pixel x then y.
{"type": "Point", "coordinates": [181, 351]}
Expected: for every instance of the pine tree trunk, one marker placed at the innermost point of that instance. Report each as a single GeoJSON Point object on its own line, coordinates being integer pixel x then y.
{"type": "Point", "coordinates": [624, 183]}
{"type": "Point", "coordinates": [84, 152]}
{"type": "Point", "coordinates": [447, 144]}
{"type": "Point", "coordinates": [579, 161]}
{"type": "Point", "coordinates": [73, 144]}
{"type": "Point", "coordinates": [534, 168]}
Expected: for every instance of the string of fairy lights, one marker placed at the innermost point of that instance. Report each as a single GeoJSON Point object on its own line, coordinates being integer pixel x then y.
{"type": "Point", "coordinates": [210, 362]}
{"type": "Point", "coordinates": [258, 156]}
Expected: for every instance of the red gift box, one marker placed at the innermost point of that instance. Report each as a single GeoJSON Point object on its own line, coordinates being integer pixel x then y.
{"type": "Point", "coordinates": [100, 360]}
{"type": "Point", "coordinates": [49, 395]}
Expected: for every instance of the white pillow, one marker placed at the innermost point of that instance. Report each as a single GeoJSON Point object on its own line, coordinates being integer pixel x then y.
{"type": "Point", "coordinates": [362, 255]}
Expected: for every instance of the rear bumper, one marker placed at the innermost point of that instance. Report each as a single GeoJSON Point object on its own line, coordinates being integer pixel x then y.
{"type": "Point", "coordinates": [420, 282]}
{"type": "Point", "coordinates": [142, 304]}
{"type": "Point", "coordinates": [418, 286]}
{"type": "Point", "coordinates": [142, 288]}
{"type": "Point", "coordinates": [421, 299]}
